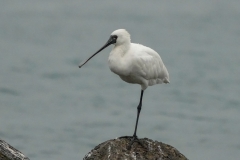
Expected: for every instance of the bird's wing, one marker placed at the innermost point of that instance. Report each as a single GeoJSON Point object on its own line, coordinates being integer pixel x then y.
{"type": "Point", "coordinates": [150, 66]}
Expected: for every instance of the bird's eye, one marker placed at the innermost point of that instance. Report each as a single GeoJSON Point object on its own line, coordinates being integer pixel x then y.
{"type": "Point", "coordinates": [114, 37]}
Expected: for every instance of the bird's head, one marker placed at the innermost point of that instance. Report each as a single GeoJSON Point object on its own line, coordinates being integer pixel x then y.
{"type": "Point", "coordinates": [118, 37]}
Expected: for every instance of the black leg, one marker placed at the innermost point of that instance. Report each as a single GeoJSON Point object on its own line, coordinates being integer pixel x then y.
{"type": "Point", "coordinates": [134, 137]}
{"type": "Point", "coordinates": [138, 113]}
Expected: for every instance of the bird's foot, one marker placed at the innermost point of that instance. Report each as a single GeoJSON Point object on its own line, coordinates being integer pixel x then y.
{"type": "Point", "coordinates": [133, 139]}
{"type": "Point", "coordinates": [128, 137]}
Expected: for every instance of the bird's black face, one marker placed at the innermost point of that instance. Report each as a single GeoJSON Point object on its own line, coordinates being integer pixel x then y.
{"type": "Point", "coordinates": [111, 40]}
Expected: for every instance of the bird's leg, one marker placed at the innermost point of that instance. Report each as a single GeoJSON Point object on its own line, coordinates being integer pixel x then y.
{"type": "Point", "coordinates": [134, 137]}
{"type": "Point", "coordinates": [138, 113]}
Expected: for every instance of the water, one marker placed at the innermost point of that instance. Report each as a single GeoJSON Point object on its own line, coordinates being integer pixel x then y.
{"type": "Point", "coordinates": [51, 109]}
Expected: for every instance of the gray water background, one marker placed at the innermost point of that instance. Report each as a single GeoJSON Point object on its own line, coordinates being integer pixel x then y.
{"type": "Point", "coordinates": [51, 109]}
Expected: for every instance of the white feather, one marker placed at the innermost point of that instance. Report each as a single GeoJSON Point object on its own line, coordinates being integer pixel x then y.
{"type": "Point", "coordinates": [135, 63]}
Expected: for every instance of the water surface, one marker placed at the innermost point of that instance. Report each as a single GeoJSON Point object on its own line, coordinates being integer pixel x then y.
{"type": "Point", "coordinates": [51, 109]}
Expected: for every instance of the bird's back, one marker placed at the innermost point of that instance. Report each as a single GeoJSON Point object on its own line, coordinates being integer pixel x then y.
{"type": "Point", "coordinates": [148, 64]}
{"type": "Point", "coordinates": [138, 64]}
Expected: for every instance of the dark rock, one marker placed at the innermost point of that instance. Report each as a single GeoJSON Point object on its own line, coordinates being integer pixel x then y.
{"type": "Point", "coordinates": [7, 152]}
{"type": "Point", "coordinates": [116, 149]}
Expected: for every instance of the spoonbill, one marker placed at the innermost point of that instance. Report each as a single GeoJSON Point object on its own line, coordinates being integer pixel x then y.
{"type": "Point", "coordinates": [134, 63]}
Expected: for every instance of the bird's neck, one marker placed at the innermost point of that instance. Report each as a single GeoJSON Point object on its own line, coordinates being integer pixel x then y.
{"type": "Point", "coordinates": [116, 60]}
{"type": "Point", "coordinates": [121, 49]}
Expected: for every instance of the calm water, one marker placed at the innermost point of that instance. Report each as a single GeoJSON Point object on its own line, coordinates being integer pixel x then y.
{"type": "Point", "coordinates": [51, 109]}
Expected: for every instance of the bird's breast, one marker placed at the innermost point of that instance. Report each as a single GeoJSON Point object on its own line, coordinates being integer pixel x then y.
{"type": "Point", "coordinates": [118, 64]}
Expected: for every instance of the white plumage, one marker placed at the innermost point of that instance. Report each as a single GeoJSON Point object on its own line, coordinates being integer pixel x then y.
{"type": "Point", "coordinates": [134, 63]}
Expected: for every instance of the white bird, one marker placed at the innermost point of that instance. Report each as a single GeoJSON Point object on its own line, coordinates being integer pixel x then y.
{"type": "Point", "coordinates": [134, 63]}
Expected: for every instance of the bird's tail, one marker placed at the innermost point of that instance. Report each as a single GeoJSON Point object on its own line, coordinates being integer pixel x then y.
{"type": "Point", "coordinates": [166, 80]}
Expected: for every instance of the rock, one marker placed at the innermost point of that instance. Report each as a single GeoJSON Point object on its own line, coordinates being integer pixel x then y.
{"type": "Point", "coordinates": [7, 152]}
{"type": "Point", "coordinates": [116, 149]}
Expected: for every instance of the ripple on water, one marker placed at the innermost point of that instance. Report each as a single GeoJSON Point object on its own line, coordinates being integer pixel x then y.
{"type": "Point", "coordinates": [9, 91]}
